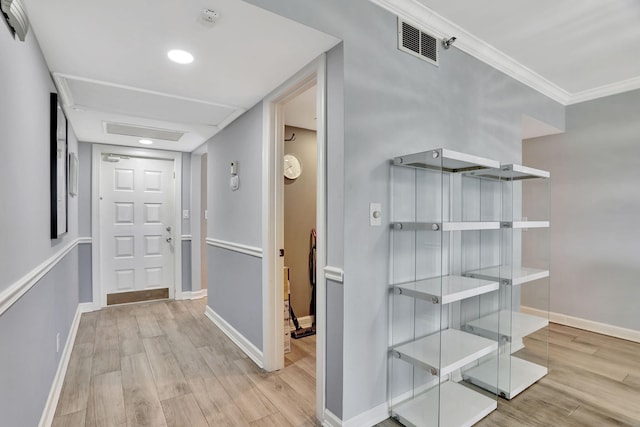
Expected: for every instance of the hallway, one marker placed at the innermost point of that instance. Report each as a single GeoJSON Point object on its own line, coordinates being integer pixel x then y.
{"type": "Point", "coordinates": [165, 363]}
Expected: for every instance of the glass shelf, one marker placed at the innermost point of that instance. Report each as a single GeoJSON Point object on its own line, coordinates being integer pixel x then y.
{"type": "Point", "coordinates": [446, 351]}
{"type": "Point", "coordinates": [521, 325]}
{"type": "Point", "coordinates": [514, 375]}
{"type": "Point", "coordinates": [456, 404]}
{"type": "Point", "coordinates": [447, 289]}
{"type": "Point", "coordinates": [446, 226]}
{"type": "Point", "coordinates": [508, 275]}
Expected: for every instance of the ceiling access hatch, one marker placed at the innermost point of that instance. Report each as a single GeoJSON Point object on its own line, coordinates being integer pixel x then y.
{"type": "Point", "coordinates": [142, 132]}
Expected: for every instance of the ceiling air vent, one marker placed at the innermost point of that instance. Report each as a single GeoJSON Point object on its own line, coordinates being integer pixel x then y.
{"type": "Point", "coordinates": [417, 43]}
{"type": "Point", "coordinates": [142, 131]}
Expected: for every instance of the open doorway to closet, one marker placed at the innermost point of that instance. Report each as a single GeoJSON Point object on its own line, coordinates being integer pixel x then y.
{"type": "Point", "coordinates": [300, 170]}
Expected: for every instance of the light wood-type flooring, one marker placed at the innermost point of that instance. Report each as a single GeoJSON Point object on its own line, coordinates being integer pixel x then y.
{"type": "Point", "coordinates": [165, 364]}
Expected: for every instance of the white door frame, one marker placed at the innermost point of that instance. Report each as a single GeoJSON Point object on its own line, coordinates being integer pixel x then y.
{"type": "Point", "coordinates": [273, 220]}
{"type": "Point", "coordinates": [99, 299]}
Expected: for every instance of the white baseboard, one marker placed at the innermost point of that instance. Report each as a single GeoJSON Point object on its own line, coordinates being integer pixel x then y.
{"type": "Point", "coordinates": [245, 345]}
{"type": "Point", "coordinates": [191, 295]}
{"type": "Point", "coordinates": [331, 420]}
{"type": "Point", "coordinates": [54, 394]}
{"type": "Point", "coordinates": [369, 418]}
{"type": "Point", "coordinates": [587, 325]}
{"type": "Point", "coordinates": [86, 307]}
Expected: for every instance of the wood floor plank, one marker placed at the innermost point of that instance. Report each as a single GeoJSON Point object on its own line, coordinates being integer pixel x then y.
{"type": "Point", "coordinates": [75, 389]}
{"type": "Point", "coordinates": [129, 336]}
{"type": "Point", "coordinates": [253, 404]}
{"type": "Point", "coordinates": [106, 357]}
{"type": "Point", "coordinates": [142, 405]}
{"type": "Point", "coordinates": [105, 406]}
{"type": "Point", "coordinates": [295, 409]}
{"type": "Point", "coordinates": [274, 420]}
{"type": "Point", "coordinates": [75, 419]}
{"type": "Point", "coordinates": [183, 411]}
{"type": "Point", "coordinates": [148, 326]}
{"type": "Point", "coordinates": [303, 383]}
{"type": "Point", "coordinates": [217, 406]}
{"type": "Point", "coordinates": [167, 374]}
{"type": "Point", "coordinates": [187, 355]}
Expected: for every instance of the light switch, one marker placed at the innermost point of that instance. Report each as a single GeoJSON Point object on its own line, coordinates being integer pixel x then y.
{"type": "Point", "coordinates": [375, 214]}
{"type": "Point", "coordinates": [185, 214]}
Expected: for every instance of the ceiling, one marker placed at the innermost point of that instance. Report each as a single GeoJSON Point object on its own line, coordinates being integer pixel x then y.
{"type": "Point", "coordinates": [110, 65]}
{"type": "Point", "coordinates": [109, 61]}
{"type": "Point", "coordinates": [570, 50]}
{"type": "Point", "coordinates": [301, 110]}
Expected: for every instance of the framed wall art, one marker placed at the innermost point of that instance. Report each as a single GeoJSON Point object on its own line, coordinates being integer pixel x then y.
{"type": "Point", "coordinates": [58, 171]}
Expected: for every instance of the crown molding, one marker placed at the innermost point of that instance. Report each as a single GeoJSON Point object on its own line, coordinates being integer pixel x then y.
{"type": "Point", "coordinates": [437, 25]}
{"type": "Point", "coordinates": [606, 90]}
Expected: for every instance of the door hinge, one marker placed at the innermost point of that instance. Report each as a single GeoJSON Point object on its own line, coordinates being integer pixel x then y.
{"type": "Point", "coordinates": [174, 174]}
{"type": "Point", "coordinates": [281, 252]}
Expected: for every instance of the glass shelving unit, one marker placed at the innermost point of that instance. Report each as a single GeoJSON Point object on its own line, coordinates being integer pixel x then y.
{"type": "Point", "coordinates": [524, 285]}
{"type": "Point", "coordinates": [445, 222]}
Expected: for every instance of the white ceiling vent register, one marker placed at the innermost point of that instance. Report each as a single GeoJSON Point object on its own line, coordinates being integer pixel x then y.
{"type": "Point", "coordinates": [142, 131]}
{"type": "Point", "coordinates": [16, 16]}
{"type": "Point", "coordinates": [416, 42]}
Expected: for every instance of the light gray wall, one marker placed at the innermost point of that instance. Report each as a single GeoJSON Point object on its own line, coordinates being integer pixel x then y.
{"type": "Point", "coordinates": [25, 85]}
{"type": "Point", "coordinates": [334, 343]}
{"type": "Point", "coordinates": [28, 335]}
{"type": "Point", "coordinates": [235, 279]}
{"type": "Point", "coordinates": [235, 291]}
{"type": "Point", "coordinates": [396, 104]}
{"type": "Point", "coordinates": [186, 192]}
{"type": "Point", "coordinates": [595, 201]}
{"type": "Point", "coordinates": [187, 285]}
{"type": "Point", "coordinates": [28, 328]}
{"type": "Point", "coordinates": [84, 189]}
{"type": "Point", "coordinates": [236, 216]}
{"type": "Point", "coordinates": [84, 272]}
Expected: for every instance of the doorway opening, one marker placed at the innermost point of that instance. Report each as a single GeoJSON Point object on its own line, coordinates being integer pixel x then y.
{"type": "Point", "coordinates": [136, 226]}
{"type": "Point", "coordinates": [285, 180]}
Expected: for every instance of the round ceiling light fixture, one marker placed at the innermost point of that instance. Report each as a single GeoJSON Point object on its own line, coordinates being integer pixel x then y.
{"type": "Point", "coordinates": [180, 56]}
{"type": "Point", "coordinates": [146, 141]}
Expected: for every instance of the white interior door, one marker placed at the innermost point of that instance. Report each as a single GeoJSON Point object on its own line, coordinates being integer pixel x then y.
{"type": "Point", "coordinates": [136, 224]}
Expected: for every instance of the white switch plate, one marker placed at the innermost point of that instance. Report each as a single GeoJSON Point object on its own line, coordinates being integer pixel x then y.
{"type": "Point", "coordinates": [375, 214]}
{"type": "Point", "coordinates": [185, 214]}
{"type": "Point", "coordinates": [206, 214]}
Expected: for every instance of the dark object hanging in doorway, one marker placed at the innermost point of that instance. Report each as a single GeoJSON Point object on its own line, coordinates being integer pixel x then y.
{"type": "Point", "coordinates": [305, 332]}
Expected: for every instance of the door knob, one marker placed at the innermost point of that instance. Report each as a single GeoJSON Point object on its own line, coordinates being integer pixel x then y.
{"type": "Point", "coordinates": [169, 240]}
{"type": "Point", "coordinates": [169, 228]}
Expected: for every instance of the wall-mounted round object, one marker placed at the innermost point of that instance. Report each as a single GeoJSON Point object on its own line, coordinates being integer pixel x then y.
{"type": "Point", "coordinates": [292, 166]}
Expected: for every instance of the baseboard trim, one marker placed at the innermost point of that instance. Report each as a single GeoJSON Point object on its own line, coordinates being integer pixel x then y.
{"type": "Point", "coordinates": [13, 293]}
{"type": "Point", "coordinates": [86, 307]}
{"type": "Point", "coordinates": [587, 325]}
{"type": "Point", "coordinates": [371, 417]}
{"type": "Point", "coordinates": [245, 345]}
{"type": "Point", "coordinates": [54, 394]}
{"type": "Point", "coordinates": [191, 295]}
{"type": "Point", "coordinates": [331, 420]}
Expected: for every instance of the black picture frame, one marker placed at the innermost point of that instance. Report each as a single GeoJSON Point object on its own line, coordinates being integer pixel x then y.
{"type": "Point", "coordinates": [58, 149]}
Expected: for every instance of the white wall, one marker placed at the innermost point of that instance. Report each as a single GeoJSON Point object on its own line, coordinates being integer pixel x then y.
{"type": "Point", "coordinates": [595, 204]}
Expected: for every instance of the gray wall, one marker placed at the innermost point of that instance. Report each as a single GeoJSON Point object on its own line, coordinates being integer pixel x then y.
{"type": "Point", "coordinates": [235, 279]}
{"type": "Point", "coordinates": [396, 104]}
{"type": "Point", "coordinates": [28, 328]}
{"type": "Point", "coordinates": [300, 216]}
{"type": "Point", "coordinates": [595, 201]}
{"type": "Point", "coordinates": [186, 266]}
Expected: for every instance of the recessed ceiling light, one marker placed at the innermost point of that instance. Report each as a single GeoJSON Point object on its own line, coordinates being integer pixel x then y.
{"type": "Point", "coordinates": [180, 56]}
{"type": "Point", "coordinates": [146, 141]}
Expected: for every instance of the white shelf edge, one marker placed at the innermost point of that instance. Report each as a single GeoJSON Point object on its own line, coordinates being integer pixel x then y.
{"type": "Point", "coordinates": [445, 226]}
{"type": "Point", "coordinates": [489, 274]}
{"type": "Point", "coordinates": [528, 224]}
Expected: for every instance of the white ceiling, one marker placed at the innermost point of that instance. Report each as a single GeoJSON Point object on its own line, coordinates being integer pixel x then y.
{"type": "Point", "coordinates": [301, 110]}
{"type": "Point", "coordinates": [110, 64]}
